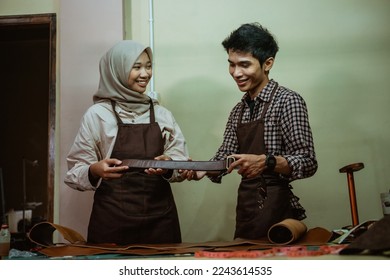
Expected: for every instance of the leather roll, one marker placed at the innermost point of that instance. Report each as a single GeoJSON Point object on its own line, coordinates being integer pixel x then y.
{"type": "Point", "coordinates": [286, 231]}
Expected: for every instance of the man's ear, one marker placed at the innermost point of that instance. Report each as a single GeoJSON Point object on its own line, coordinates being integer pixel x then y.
{"type": "Point", "coordinates": [268, 64]}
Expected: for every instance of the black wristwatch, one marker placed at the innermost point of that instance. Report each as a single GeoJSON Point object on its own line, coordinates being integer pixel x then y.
{"type": "Point", "coordinates": [270, 162]}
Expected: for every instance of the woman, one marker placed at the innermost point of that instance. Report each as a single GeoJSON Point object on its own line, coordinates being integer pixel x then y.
{"type": "Point", "coordinates": [130, 206]}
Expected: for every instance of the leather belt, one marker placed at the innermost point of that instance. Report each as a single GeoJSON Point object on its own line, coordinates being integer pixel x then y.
{"type": "Point", "coordinates": [219, 165]}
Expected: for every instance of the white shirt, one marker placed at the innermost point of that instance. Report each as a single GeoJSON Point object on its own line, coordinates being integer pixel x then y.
{"type": "Point", "coordinates": [96, 138]}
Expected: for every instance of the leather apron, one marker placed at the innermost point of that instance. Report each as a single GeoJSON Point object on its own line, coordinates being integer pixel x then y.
{"type": "Point", "coordinates": [265, 199]}
{"type": "Point", "coordinates": [136, 208]}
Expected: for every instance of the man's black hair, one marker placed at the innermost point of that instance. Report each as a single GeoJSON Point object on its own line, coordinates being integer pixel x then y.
{"type": "Point", "coordinates": [252, 38]}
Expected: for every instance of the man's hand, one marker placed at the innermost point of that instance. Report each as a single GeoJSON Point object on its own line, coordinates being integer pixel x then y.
{"type": "Point", "coordinates": [248, 165]}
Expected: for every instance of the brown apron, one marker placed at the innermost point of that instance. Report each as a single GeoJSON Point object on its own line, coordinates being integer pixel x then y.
{"type": "Point", "coordinates": [264, 200]}
{"type": "Point", "coordinates": [136, 208]}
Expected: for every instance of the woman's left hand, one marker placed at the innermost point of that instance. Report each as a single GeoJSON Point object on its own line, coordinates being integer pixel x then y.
{"type": "Point", "coordinates": [158, 171]}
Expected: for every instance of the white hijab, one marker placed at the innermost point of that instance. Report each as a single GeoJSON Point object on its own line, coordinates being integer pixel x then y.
{"type": "Point", "coordinates": [115, 66]}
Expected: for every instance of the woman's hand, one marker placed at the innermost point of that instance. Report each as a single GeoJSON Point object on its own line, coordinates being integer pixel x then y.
{"type": "Point", "coordinates": [107, 169]}
{"type": "Point", "coordinates": [192, 174]}
{"type": "Point", "coordinates": [158, 171]}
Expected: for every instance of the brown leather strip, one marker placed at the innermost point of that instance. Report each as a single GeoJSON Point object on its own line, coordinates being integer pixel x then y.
{"type": "Point", "coordinates": [219, 165]}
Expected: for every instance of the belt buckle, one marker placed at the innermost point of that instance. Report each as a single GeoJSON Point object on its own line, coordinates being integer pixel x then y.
{"type": "Point", "coordinates": [229, 161]}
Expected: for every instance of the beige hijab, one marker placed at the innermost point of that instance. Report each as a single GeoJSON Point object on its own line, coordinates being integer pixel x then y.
{"type": "Point", "coordinates": [115, 66]}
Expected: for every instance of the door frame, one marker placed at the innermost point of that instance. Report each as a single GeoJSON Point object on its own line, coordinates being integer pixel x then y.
{"type": "Point", "coordinates": [49, 20]}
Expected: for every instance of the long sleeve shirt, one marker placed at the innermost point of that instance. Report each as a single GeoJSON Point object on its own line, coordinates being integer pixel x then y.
{"type": "Point", "coordinates": [287, 130]}
{"type": "Point", "coordinates": [97, 134]}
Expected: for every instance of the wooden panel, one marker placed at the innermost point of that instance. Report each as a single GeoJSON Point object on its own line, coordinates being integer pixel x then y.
{"type": "Point", "coordinates": [37, 33]}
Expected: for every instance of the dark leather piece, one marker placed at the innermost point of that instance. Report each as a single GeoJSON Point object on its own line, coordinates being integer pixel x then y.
{"type": "Point", "coordinates": [375, 241]}
{"type": "Point", "coordinates": [176, 164]}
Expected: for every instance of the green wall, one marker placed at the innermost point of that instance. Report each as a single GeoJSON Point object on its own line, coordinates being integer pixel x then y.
{"type": "Point", "coordinates": [18, 7]}
{"type": "Point", "coordinates": [336, 54]}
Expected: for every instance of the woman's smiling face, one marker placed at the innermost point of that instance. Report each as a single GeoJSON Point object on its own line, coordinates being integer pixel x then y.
{"type": "Point", "coordinates": [140, 74]}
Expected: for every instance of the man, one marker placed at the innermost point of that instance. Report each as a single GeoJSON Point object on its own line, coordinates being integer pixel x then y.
{"type": "Point", "coordinates": [268, 133]}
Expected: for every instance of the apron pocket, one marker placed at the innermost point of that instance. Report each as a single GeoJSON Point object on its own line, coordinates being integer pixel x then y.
{"type": "Point", "coordinates": [249, 199]}
{"type": "Point", "coordinates": [145, 195]}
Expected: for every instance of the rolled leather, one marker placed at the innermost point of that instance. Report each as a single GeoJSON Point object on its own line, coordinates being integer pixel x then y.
{"type": "Point", "coordinates": [42, 234]}
{"type": "Point", "coordinates": [286, 231]}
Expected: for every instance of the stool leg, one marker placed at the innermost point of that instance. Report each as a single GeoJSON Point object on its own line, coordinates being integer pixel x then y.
{"type": "Point", "coordinates": [352, 199]}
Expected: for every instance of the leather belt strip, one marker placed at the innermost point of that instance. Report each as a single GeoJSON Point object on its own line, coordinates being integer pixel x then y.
{"type": "Point", "coordinates": [219, 165]}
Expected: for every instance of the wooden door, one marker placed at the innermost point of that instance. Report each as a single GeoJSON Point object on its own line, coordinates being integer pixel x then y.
{"type": "Point", "coordinates": [27, 106]}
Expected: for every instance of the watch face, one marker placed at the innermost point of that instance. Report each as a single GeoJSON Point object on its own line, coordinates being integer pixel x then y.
{"type": "Point", "coordinates": [271, 162]}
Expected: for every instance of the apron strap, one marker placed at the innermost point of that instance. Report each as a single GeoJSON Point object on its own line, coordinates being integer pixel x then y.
{"type": "Point", "coordinates": [118, 119]}
{"type": "Point", "coordinates": [266, 105]}
{"type": "Point", "coordinates": [152, 118]}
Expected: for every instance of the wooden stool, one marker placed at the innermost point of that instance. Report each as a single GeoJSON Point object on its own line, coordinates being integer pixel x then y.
{"type": "Point", "coordinates": [349, 169]}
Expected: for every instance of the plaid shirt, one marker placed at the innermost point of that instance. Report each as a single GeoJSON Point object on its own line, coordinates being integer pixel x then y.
{"type": "Point", "coordinates": [287, 133]}
{"type": "Point", "coordinates": [287, 130]}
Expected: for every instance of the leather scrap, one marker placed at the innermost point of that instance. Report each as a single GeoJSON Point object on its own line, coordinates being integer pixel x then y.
{"type": "Point", "coordinates": [375, 241]}
{"type": "Point", "coordinates": [42, 234]}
